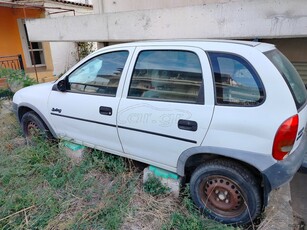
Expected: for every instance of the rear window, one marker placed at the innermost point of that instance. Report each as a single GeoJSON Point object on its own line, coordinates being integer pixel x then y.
{"type": "Point", "coordinates": [290, 75]}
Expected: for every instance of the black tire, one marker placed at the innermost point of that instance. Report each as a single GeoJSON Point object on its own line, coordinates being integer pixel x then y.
{"type": "Point", "coordinates": [33, 127]}
{"type": "Point", "coordinates": [226, 192]}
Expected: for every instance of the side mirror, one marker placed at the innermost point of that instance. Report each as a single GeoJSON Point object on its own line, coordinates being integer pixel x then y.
{"type": "Point", "coordinates": [62, 86]}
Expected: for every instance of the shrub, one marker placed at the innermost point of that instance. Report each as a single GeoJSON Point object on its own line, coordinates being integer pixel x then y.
{"type": "Point", "coordinates": [107, 163]}
{"type": "Point", "coordinates": [16, 78]}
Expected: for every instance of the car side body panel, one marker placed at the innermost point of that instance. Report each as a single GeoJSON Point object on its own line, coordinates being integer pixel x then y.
{"type": "Point", "coordinates": [147, 130]}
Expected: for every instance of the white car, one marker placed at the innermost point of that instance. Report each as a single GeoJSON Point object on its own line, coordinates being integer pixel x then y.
{"type": "Point", "coordinates": [229, 116]}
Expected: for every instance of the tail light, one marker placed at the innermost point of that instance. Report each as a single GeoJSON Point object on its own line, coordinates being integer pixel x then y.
{"type": "Point", "coordinates": [285, 138]}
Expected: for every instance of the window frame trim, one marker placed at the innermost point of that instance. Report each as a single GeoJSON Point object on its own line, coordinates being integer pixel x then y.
{"type": "Point", "coordinates": [250, 65]}
{"type": "Point", "coordinates": [85, 61]}
{"type": "Point", "coordinates": [26, 47]}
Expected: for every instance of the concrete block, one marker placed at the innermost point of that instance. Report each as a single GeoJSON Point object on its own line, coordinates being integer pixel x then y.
{"type": "Point", "coordinates": [173, 184]}
{"type": "Point", "coordinates": [73, 150]}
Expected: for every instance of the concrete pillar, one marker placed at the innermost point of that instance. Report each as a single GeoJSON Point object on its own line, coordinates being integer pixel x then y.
{"type": "Point", "coordinates": [299, 195]}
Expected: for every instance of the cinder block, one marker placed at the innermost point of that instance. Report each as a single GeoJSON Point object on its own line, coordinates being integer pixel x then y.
{"type": "Point", "coordinates": [72, 150]}
{"type": "Point", "coordinates": [168, 181]}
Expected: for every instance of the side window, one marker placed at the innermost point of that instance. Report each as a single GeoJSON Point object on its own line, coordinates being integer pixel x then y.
{"type": "Point", "coordinates": [167, 75]}
{"type": "Point", "coordinates": [236, 82]}
{"type": "Point", "coordinates": [99, 75]}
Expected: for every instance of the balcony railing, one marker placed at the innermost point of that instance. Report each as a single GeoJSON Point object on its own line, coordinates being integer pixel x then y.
{"type": "Point", "coordinates": [11, 62]}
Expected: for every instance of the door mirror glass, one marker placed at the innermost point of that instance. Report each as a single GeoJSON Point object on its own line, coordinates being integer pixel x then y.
{"type": "Point", "coordinates": [62, 86]}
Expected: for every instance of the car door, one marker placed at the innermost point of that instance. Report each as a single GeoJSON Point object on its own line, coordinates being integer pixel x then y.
{"type": "Point", "coordinates": [168, 105]}
{"type": "Point", "coordinates": [86, 111]}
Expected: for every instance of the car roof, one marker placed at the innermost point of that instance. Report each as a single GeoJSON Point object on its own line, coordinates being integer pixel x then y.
{"type": "Point", "coordinates": [206, 44]}
{"type": "Point", "coordinates": [194, 41]}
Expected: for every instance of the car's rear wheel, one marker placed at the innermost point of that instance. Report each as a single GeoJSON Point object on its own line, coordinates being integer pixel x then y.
{"type": "Point", "coordinates": [33, 127]}
{"type": "Point", "coordinates": [225, 191]}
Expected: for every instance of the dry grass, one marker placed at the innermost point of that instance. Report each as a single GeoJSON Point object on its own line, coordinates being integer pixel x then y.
{"type": "Point", "coordinates": [41, 188]}
{"type": "Point", "coordinates": [149, 212]}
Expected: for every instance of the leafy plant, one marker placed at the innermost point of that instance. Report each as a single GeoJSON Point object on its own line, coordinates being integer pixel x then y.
{"type": "Point", "coordinates": [6, 93]}
{"type": "Point", "coordinates": [84, 49]}
{"type": "Point", "coordinates": [16, 78]}
{"type": "Point", "coordinates": [108, 163]}
{"type": "Point", "coordinates": [155, 187]}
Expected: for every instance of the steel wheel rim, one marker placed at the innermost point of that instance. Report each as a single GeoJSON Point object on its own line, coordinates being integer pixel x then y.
{"type": "Point", "coordinates": [222, 196]}
{"type": "Point", "coordinates": [32, 129]}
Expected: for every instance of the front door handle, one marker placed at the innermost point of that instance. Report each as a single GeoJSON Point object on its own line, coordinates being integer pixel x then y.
{"type": "Point", "coordinates": [105, 110]}
{"type": "Point", "coordinates": [187, 125]}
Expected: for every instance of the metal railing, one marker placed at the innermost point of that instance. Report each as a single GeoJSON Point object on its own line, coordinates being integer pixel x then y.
{"type": "Point", "coordinates": [11, 62]}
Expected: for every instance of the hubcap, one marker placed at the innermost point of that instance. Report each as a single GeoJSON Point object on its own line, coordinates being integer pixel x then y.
{"type": "Point", "coordinates": [222, 196]}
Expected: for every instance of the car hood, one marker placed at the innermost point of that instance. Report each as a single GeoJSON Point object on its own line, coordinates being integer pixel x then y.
{"type": "Point", "coordinates": [35, 94]}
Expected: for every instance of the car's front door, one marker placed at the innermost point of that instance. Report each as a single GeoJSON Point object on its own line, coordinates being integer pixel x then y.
{"type": "Point", "coordinates": [86, 111]}
{"type": "Point", "coordinates": [168, 105]}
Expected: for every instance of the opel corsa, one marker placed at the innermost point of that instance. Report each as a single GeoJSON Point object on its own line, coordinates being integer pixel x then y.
{"type": "Point", "coordinates": [229, 116]}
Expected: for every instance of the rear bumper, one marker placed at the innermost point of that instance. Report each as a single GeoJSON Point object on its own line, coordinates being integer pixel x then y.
{"type": "Point", "coordinates": [283, 171]}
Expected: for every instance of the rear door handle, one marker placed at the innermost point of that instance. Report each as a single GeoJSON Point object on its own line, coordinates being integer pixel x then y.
{"type": "Point", "coordinates": [105, 110]}
{"type": "Point", "coordinates": [187, 125]}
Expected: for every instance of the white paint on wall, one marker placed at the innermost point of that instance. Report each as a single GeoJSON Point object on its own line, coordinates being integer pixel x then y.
{"type": "Point", "coordinates": [64, 54]}
{"type": "Point", "coordinates": [112, 6]}
{"type": "Point", "coordinates": [213, 19]}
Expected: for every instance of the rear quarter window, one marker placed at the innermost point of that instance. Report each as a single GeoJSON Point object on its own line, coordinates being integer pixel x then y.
{"type": "Point", "coordinates": [291, 76]}
{"type": "Point", "coordinates": [236, 81]}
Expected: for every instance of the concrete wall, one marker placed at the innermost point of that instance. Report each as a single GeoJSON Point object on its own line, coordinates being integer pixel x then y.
{"type": "Point", "coordinates": [112, 6]}
{"type": "Point", "coordinates": [213, 19]}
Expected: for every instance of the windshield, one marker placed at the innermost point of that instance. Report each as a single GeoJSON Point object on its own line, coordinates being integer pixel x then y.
{"type": "Point", "coordinates": [290, 75]}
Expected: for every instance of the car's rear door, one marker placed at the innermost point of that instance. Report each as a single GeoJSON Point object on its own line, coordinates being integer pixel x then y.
{"type": "Point", "coordinates": [86, 111]}
{"type": "Point", "coordinates": [167, 105]}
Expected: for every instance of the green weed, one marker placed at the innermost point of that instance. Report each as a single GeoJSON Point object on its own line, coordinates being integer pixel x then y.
{"type": "Point", "coordinates": [155, 187]}
{"type": "Point", "coordinates": [107, 163]}
{"type": "Point", "coordinates": [6, 93]}
{"type": "Point", "coordinates": [16, 77]}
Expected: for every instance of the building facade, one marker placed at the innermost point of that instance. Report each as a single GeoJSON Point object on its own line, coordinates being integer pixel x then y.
{"type": "Point", "coordinates": [41, 60]}
{"type": "Point", "coordinates": [14, 40]}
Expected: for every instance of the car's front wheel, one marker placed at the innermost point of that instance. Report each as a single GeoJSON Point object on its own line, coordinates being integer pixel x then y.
{"type": "Point", "coordinates": [33, 127]}
{"type": "Point", "coordinates": [225, 191]}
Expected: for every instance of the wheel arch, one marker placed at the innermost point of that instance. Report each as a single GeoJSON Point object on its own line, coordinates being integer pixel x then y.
{"type": "Point", "coordinates": [191, 158]}
{"type": "Point", "coordinates": [25, 107]}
